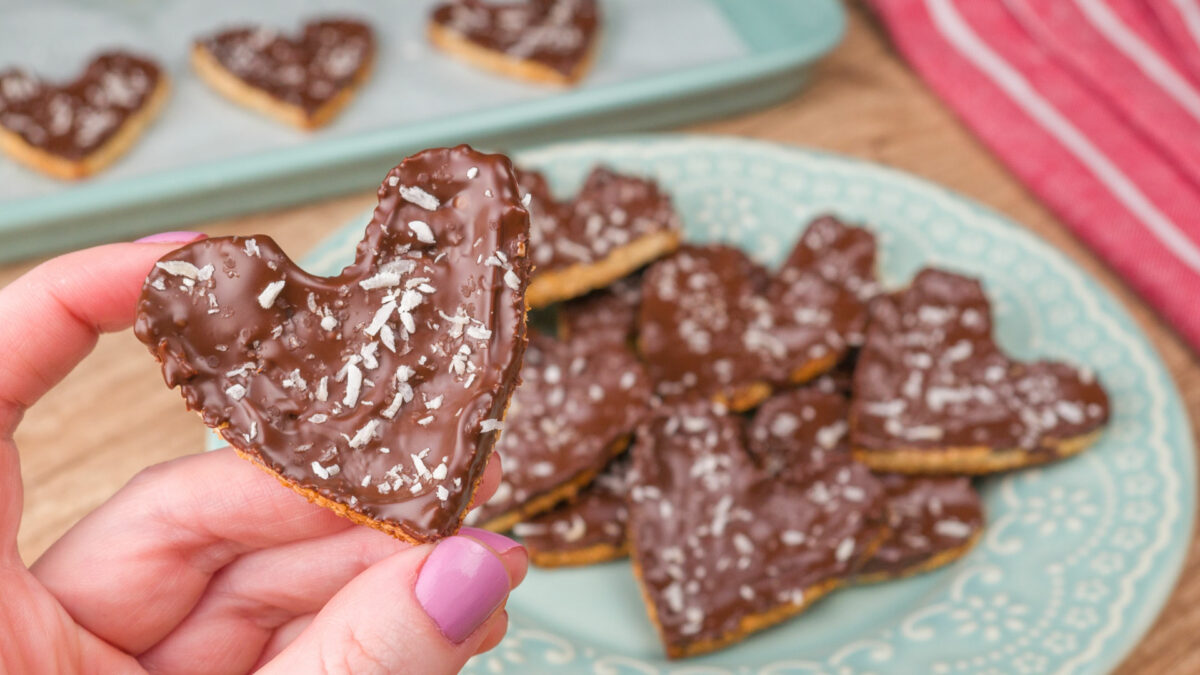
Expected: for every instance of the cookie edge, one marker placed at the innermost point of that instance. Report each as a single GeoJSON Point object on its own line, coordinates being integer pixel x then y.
{"type": "Point", "coordinates": [973, 460]}
{"type": "Point", "coordinates": [494, 61]}
{"type": "Point", "coordinates": [567, 490]}
{"type": "Point", "coordinates": [99, 159]}
{"type": "Point", "coordinates": [566, 283]}
{"type": "Point", "coordinates": [940, 559]}
{"type": "Point", "coordinates": [227, 84]}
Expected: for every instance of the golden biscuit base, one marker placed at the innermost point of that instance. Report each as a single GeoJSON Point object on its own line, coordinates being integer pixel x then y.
{"type": "Point", "coordinates": [974, 460]}
{"type": "Point", "coordinates": [749, 396]}
{"type": "Point", "coordinates": [744, 398]}
{"type": "Point", "coordinates": [560, 284]}
{"type": "Point", "coordinates": [458, 46]}
{"type": "Point", "coordinates": [814, 368]}
{"type": "Point", "coordinates": [592, 555]}
{"type": "Point", "coordinates": [548, 500]}
{"type": "Point", "coordinates": [91, 163]}
{"type": "Point", "coordinates": [751, 623]}
{"type": "Point", "coordinates": [942, 559]}
{"type": "Point", "coordinates": [239, 91]}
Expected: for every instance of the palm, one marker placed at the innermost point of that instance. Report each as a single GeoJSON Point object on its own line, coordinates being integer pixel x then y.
{"type": "Point", "coordinates": [44, 638]}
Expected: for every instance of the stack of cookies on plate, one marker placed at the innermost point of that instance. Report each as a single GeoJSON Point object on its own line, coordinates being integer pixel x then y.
{"type": "Point", "coordinates": [753, 438]}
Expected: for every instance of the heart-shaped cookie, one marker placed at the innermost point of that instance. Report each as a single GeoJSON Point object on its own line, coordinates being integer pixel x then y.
{"type": "Point", "coordinates": [714, 324]}
{"type": "Point", "coordinates": [615, 225]}
{"type": "Point", "coordinates": [933, 393]}
{"type": "Point", "coordinates": [376, 392]}
{"type": "Point", "coordinates": [839, 253]}
{"type": "Point", "coordinates": [76, 129]}
{"type": "Point", "coordinates": [721, 547]}
{"type": "Point", "coordinates": [802, 432]}
{"type": "Point", "coordinates": [932, 520]}
{"type": "Point", "coordinates": [603, 316]}
{"type": "Point", "coordinates": [587, 530]}
{"type": "Point", "coordinates": [574, 411]}
{"type": "Point", "coordinates": [544, 41]}
{"type": "Point", "coordinates": [304, 81]}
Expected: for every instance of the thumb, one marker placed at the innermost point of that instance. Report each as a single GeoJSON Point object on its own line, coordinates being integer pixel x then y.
{"type": "Point", "coordinates": [424, 610]}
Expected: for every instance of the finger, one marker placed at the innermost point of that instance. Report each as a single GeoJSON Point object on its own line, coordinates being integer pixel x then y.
{"type": "Point", "coordinates": [490, 481]}
{"type": "Point", "coordinates": [498, 628]}
{"type": "Point", "coordinates": [179, 523]}
{"type": "Point", "coordinates": [12, 498]}
{"type": "Point", "coordinates": [512, 553]}
{"type": "Point", "coordinates": [147, 554]}
{"type": "Point", "coordinates": [283, 636]}
{"type": "Point", "coordinates": [252, 598]}
{"type": "Point", "coordinates": [50, 318]}
{"type": "Point", "coordinates": [53, 315]}
{"type": "Point", "coordinates": [426, 610]}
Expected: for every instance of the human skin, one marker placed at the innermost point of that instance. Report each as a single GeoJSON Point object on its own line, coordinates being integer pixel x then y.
{"type": "Point", "coordinates": [206, 563]}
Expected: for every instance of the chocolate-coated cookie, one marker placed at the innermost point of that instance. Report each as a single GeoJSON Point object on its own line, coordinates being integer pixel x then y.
{"type": "Point", "coordinates": [377, 392]}
{"type": "Point", "coordinates": [934, 393]}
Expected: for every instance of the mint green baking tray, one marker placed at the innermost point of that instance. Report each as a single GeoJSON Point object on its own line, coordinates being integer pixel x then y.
{"type": "Point", "coordinates": [662, 63]}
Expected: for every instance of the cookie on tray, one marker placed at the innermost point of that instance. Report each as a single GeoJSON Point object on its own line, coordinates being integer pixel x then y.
{"type": "Point", "coordinates": [934, 393]}
{"type": "Point", "coordinates": [378, 392]}
{"type": "Point", "coordinates": [74, 130]}
{"type": "Point", "coordinates": [542, 41]}
{"type": "Point", "coordinates": [304, 81]}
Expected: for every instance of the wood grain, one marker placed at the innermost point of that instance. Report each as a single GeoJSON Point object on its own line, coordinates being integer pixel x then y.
{"type": "Point", "coordinates": [112, 415]}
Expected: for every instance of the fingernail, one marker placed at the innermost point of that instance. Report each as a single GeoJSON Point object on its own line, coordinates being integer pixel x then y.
{"type": "Point", "coordinates": [180, 237]}
{"type": "Point", "coordinates": [461, 583]}
{"type": "Point", "coordinates": [498, 542]}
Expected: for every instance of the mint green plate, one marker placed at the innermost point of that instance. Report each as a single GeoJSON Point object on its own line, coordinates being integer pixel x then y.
{"type": "Point", "coordinates": [660, 63]}
{"type": "Point", "coordinates": [1078, 557]}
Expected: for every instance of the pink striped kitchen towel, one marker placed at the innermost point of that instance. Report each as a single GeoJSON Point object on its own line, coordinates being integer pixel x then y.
{"type": "Point", "coordinates": [1095, 105]}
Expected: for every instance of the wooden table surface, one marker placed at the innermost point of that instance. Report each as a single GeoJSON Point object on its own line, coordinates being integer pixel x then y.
{"type": "Point", "coordinates": [113, 416]}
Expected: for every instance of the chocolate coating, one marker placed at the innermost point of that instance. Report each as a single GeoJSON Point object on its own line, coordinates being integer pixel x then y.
{"type": "Point", "coordinates": [928, 515]}
{"type": "Point", "coordinates": [804, 432]}
{"type": "Point", "coordinates": [74, 119]}
{"type": "Point", "coordinates": [839, 253]}
{"type": "Point", "coordinates": [713, 322]}
{"type": "Point", "coordinates": [555, 33]}
{"type": "Point", "coordinates": [576, 403]}
{"type": "Point", "coordinates": [611, 210]}
{"type": "Point", "coordinates": [379, 388]}
{"type": "Point", "coordinates": [603, 316]}
{"type": "Point", "coordinates": [594, 520]}
{"type": "Point", "coordinates": [717, 539]}
{"type": "Point", "coordinates": [306, 71]}
{"type": "Point", "coordinates": [930, 376]}
{"type": "Point", "coordinates": [800, 432]}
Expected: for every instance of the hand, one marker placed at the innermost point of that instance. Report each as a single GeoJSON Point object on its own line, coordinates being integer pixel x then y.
{"type": "Point", "coordinates": [206, 563]}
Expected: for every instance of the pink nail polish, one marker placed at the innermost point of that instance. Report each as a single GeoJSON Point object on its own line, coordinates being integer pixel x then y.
{"type": "Point", "coordinates": [461, 583]}
{"type": "Point", "coordinates": [498, 542]}
{"type": "Point", "coordinates": [180, 237]}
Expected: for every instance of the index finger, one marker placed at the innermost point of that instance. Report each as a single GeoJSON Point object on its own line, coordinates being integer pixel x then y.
{"type": "Point", "coordinates": [51, 317]}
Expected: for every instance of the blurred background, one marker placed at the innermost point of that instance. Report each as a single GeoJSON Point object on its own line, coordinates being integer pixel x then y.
{"type": "Point", "coordinates": [868, 80]}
